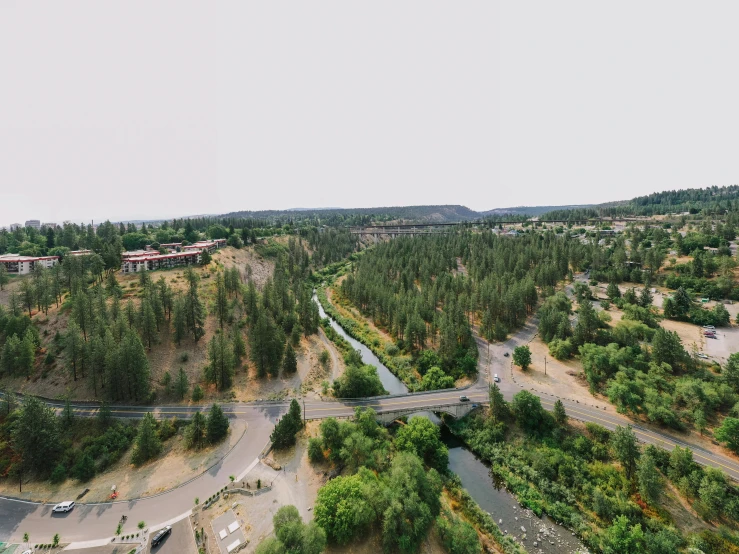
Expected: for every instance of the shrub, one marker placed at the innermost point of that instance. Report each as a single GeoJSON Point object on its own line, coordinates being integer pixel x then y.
{"type": "Point", "coordinates": [315, 450]}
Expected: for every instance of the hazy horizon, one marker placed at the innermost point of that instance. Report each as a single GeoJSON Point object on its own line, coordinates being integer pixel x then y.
{"type": "Point", "coordinates": [139, 110]}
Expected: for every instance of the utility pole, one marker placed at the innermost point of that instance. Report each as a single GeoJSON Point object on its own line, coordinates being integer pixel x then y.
{"type": "Point", "coordinates": [305, 420]}
{"type": "Point", "coordinates": [545, 365]}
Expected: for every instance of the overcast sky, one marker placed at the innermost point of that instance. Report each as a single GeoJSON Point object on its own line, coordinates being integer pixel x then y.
{"type": "Point", "coordinates": [140, 109]}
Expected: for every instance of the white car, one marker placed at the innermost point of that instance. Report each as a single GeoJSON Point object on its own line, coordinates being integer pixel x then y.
{"type": "Point", "coordinates": [63, 507]}
{"type": "Point", "coordinates": [496, 378]}
{"type": "Point", "coordinates": [702, 356]}
{"type": "Point", "coordinates": [709, 327]}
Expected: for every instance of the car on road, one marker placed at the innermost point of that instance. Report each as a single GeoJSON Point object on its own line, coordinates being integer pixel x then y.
{"type": "Point", "coordinates": [464, 399]}
{"type": "Point", "coordinates": [496, 378]}
{"type": "Point", "coordinates": [711, 327]}
{"type": "Point", "coordinates": [506, 354]}
{"type": "Point", "coordinates": [702, 356]}
{"type": "Point", "coordinates": [709, 333]}
{"type": "Point", "coordinates": [161, 534]}
{"type": "Point", "coordinates": [63, 507]}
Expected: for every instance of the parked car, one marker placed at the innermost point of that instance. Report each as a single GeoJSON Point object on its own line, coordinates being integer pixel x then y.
{"type": "Point", "coordinates": [702, 356]}
{"type": "Point", "coordinates": [709, 333]}
{"type": "Point", "coordinates": [464, 399]}
{"type": "Point", "coordinates": [159, 537]}
{"type": "Point", "coordinates": [506, 354]}
{"type": "Point", "coordinates": [63, 507]}
{"type": "Point", "coordinates": [496, 378]}
{"type": "Point", "coordinates": [709, 327]}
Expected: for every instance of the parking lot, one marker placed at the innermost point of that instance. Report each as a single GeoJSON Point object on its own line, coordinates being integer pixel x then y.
{"type": "Point", "coordinates": [180, 540]}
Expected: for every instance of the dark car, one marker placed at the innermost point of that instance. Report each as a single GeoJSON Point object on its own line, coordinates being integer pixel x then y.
{"type": "Point", "coordinates": [161, 534]}
{"type": "Point", "coordinates": [464, 399]}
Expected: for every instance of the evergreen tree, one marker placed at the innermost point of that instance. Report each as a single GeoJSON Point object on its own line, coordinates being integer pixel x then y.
{"type": "Point", "coordinates": [195, 432]}
{"type": "Point", "coordinates": [74, 346]}
{"type": "Point", "coordinates": [290, 363]}
{"type": "Point", "coordinates": [560, 415]}
{"type": "Point", "coordinates": [220, 367]}
{"type": "Point", "coordinates": [147, 444]}
{"type": "Point", "coordinates": [497, 403]}
{"type": "Point", "coordinates": [287, 427]}
{"type": "Point", "coordinates": [194, 310]}
{"type": "Point", "coordinates": [266, 342]}
{"type": "Point", "coordinates": [181, 384]}
{"type": "Point", "coordinates": [179, 322]}
{"type": "Point", "coordinates": [36, 437]}
{"type": "Point", "coordinates": [239, 346]}
{"type": "Point", "coordinates": [613, 291]}
{"type": "Point", "coordinates": [4, 279]}
{"type": "Point", "coordinates": [221, 300]}
{"type": "Point", "coordinates": [645, 298]}
{"type": "Point", "coordinates": [147, 322]}
{"type": "Point", "coordinates": [217, 424]}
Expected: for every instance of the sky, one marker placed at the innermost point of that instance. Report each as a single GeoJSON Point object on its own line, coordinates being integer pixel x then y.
{"type": "Point", "coordinates": [146, 110]}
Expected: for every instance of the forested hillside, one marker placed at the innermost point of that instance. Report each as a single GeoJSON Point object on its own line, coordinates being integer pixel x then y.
{"type": "Point", "coordinates": [709, 200]}
{"type": "Point", "coordinates": [427, 292]}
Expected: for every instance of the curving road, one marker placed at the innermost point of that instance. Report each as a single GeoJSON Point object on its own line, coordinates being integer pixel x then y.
{"type": "Point", "coordinates": [90, 522]}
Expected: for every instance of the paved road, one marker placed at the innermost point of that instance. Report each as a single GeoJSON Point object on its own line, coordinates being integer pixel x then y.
{"type": "Point", "coordinates": [97, 521]}
{"type": "Point", "coordinates": [180, 541]}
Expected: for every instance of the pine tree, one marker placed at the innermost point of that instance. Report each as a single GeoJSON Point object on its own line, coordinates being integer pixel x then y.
{"type": "Point", "coordinates": [497, 403]}
{"type": "Point", "coordinates": [179, 322]}
{"type": "Point", "coordinates": [147, 322]}
{"type": "Point", "coordinates": [290, 363]}
{"type": "Point", "coordinates": [239, 346]}
{"type": "Point", "coordinates": [147, 443]}
{"type": "Point", "coordinates": [181, 385]}
{"type": "Point", "coordinates": [220, 368]}
{"type": "Point", "coordinates": [217, 424]}
{"type": "Point", "coordinates": [194, 309]}
{"type": "Point", "coordinates": [195, 432]}
{"type": "Point", "coordinates": [221, 300]}
{"type": "Point", "coordinates": [560, 415]}
{"type": "Point", "coordinates": [74, 345]}
{"type": "Point", "coordinates": [67, 414]}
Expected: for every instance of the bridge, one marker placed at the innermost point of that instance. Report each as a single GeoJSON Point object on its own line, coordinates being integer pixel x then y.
{"type": "Point", "coordinates": [456, 410]}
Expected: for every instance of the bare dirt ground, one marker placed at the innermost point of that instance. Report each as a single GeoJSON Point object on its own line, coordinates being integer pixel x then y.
{"type": "Point", "coordinates": [13, 285]}
{"type": "Point", "coordinates": [250, 264]}
{"type": "Point", "coordinates": [306, 381]}
{"type": "Point", "coordinates": [175, 465]}
{"type": "Point", "coordinates": [564, 379]}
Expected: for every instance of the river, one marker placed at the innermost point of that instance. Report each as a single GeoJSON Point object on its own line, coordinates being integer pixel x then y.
{"type": "Point", "coordinates": [539, 535]}
{"type": "Point", "coordinates": [392, 384]}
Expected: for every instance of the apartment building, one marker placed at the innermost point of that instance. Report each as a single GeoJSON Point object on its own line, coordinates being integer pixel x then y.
{"type": "Point", "coordinates": [149, 261]}
{"type": "Point", "coordinates": [22, 265]}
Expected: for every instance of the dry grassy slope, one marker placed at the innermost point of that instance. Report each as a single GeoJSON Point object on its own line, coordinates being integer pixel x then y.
{"type": "Point", "coordinates": [54, 381]}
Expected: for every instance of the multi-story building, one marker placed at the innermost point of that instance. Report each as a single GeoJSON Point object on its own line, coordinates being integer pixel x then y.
{"type": "Point", "coordinates": [79, 253]}
{"type": "Point", "coordinates": [21, 265]}
{"type": "Point", "coordinates": [35, 223]}
{"type": "Point", "coordinates": [134, 261]}
{"type": "Point", "coordinates": [15, 226]}
{"type": "Point", "coordinates": [150, 261]}
{"type": "Point", "coordinates": [209, 245]}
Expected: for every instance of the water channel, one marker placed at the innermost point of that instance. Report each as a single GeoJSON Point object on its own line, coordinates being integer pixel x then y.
{"type": "Point", "coordinates": [549, 537]}
{"type": "Point", "coordinates": [538, 535]}
{"type": "Point", "coordinates": [392, 384]}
